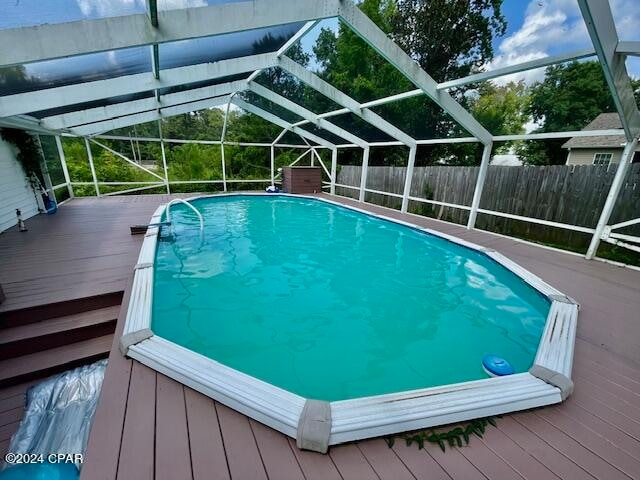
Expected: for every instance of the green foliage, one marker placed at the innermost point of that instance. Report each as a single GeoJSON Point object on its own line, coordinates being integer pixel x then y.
{"type": "Point", "coordinates": [109, 168]}
{"type": "Point", "coordinates": [447, 38]}
{"type": "Point", "coordinates": [570, 96]}
{"type": "Point", "coordinates": [29, 152]}
{"type": "Point", "coordinates": [454, 437]}
{"type": "Point", "coordinates": [191, 161]}
{"type": "Point", "coordinates": [502, 109]}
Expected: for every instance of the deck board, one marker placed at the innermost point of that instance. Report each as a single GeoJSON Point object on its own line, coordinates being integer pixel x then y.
{"type": "Point", "coordinates": [137, 449]}
{"type": "Point", "coordinates": [173, 459]}
{"type": "Point", "coordinates": [351, 463]}
{"type": "Point", "coordinates": [594, 434]}
{"type": "Point", "coordinates": [277, 456]}
{"type": "Point", "coordinates": [208, 458]}
{"type": "Point", "coordinates": [243, 455]}
{"type": "Point", "coordinates": [315, 467]}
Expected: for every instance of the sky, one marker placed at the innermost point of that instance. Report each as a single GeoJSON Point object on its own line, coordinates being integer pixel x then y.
{"type": "Point", "coordinates": [539, 28]}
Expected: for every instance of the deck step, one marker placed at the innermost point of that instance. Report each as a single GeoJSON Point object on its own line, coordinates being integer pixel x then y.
{"type": "Point", "coordinates": [22, 316]}
{"type": "Point", "coordinates": [21, 369]}
{"type": "Point", "coordinates": [56, 332]}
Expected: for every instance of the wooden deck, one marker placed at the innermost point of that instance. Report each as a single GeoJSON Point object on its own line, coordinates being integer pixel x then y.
{"type": "Point", "coordinates": [148, 426]}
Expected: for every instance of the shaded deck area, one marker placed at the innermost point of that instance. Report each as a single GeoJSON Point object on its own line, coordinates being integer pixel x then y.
{"type": "Point", "coordinates": [149, 426]}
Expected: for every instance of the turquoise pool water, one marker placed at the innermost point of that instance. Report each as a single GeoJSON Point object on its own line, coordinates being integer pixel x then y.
{"type": "Point", "coordinates": [332, 304]}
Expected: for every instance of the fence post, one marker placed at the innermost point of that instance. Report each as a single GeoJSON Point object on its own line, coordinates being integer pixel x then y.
{"type": "Point", "coordinates": [93, 170]}
{"type": "Point", "coordinates": [164, 158]}
{"type": "Point", "coordinates": [477, 194]}
{"type": "Point", "coordinates": [363, 175]}
{"type": "Point", "coordinates": [63, 162]}
{"type": "Point", "coordinates": [612, 197]}
{"type": "Point", "coordinates": [408, 179]}
{"type": "Point", "coordinates": [334, 167]}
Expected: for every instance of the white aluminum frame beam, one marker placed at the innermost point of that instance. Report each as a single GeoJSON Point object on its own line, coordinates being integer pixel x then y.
{"type": "Point", "coordinates": [306, 114]}
{"type": "Point", "coordinates": [98, 114]}
{"type": "Point", "coordinates": [379, 41]}
{"type": "Point", "coordinates": [141, 82]}
{"type": "Point", "coordinates": [164, 157]}
{"type": "Point", "coordinates": [602, 30]}
{"type": "Point", "coordinates": [270, 117]}
{"type": "Point", "coordinates": [334, 168]}
{"type": "Point", "coordinates": [629, 48]}
{"type": "Point", "coordinates": [408, 179]}
{"type": "Point", "coordinates": [483, 76]}
{"type": "Point", "coordinates": [477, 193]}
{"type": "Point", "coordinates": [612, 196]}
{"type": "Point", "coordinates": [364, 174]}
{"type": "Point", "coordinates": [127, 159]}
{"type": "Point", "coordinates": [44, 42]}
{"type": "Point", "coordinates": [153, 115]}
{"type": "Point", "coordinates": [517, 68]}
{"type": "Point", "coordinates": [25, 122]}
{"type": "Point", "coordinates": [549, 135]}
{"type": "Point", "coordinates": [92, 166]}
{"type": "Point", "coordinates": [342, 99]}
{"type": "Point", "coordinates": [63, 163]}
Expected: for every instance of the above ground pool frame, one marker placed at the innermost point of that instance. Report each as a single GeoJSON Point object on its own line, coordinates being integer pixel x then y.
{"type": "Point", "coordinates": [316, 424]}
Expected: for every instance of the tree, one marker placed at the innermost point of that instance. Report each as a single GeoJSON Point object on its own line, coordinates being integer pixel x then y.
{"type": "Point", "coordinates": [570, 96]}
{"type": "Point", "coordinates": [502, 109]}
{"type": "Point", "coordinates": [448, 38]}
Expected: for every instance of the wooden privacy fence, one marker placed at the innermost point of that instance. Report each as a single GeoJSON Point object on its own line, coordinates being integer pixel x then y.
{"type": "Point", "coordinates": [570, 194]}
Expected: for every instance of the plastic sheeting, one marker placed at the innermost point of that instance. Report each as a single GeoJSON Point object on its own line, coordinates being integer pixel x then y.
{"type": "Point", "coordinates": [59, 412]}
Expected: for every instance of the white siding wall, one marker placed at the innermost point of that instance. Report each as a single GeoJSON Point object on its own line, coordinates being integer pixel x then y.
{"type": "Point", "coordinates": [15, 191]}
{"type": "Point", "coordinates": [584, 156]}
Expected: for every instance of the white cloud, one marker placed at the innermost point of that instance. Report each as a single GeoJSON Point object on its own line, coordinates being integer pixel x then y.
{"type": "Point", "coordinates": [111, 8]}
{"type": "Point", "coordinates": [174, 4]}
{"type": "Point", "coordinates": [553, 27]}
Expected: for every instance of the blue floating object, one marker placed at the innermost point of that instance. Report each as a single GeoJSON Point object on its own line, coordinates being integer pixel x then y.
{"type": "Point", "coordinates": [496, 366]}
{"type": "Point", "coordinates": [41, 471]}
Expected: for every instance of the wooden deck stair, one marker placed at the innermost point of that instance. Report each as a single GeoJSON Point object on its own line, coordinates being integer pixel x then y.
{"type": "Point", "coordinates": [39, 341]}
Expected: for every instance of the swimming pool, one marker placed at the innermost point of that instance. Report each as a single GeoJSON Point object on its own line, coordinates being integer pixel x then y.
{"type": "Point", "coordinates": [383, 324]}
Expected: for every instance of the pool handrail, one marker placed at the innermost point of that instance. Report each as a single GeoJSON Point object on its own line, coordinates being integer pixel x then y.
{"type": "Point", "coordinates": [180, 200]}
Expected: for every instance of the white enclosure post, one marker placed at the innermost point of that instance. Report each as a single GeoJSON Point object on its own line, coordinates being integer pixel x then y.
{"type": "Point", "coordinates": [63, 162]}
{"type": "Point", "coordinates": [482, 175]}
{"type": "Point", "coordinates": [363, 175]}
{"type": "Point", "coordinates": [222, 158]}
{"type": "Point", "coordinates": [408, 179]}
{"type": "Point", "coordinates": [164, 158]}
{"type": "Point", "coordinates": [612, 197]}
{"type": "Point", "coordinates": [224, 169]}
{"type": "Point", "coordinates": [334, 167]}
{"type": "Point", "coordinates": [44, 168]}
{"type": "Point", "coordinates": [313, 158]}
{"type": "Point", "coordinates": [93, 170]}
{"type": "Point", "coordinates": [273, 165]}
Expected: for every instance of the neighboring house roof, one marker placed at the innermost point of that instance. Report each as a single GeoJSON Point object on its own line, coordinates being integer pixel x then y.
{"type": "Point", "coordinates": [604, 121]}
{"type": "Point", "coordinates": [506, 160]}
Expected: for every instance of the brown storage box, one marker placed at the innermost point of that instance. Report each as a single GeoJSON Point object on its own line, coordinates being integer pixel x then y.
{"type": "Point", "coordinates": [302, 179]}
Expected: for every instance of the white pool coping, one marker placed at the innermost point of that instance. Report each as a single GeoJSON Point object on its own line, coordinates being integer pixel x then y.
{"type": "Point", "coordinates": [546, 383]}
